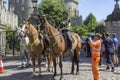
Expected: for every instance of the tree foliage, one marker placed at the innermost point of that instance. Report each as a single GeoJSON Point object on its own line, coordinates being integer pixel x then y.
{"type": "Point", "coordinates": [90, 23]}
{"type": "Point", "coordinates": [79, 30]}
{"type": "Point", "coordinates": [52, 9]}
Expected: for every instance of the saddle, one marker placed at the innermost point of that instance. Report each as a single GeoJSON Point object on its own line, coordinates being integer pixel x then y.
{"type": "Point", "coordinates": [68, 40]}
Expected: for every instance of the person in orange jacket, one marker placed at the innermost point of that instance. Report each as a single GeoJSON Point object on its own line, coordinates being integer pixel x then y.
{"type": "Point", "coordinates": [96, 47]}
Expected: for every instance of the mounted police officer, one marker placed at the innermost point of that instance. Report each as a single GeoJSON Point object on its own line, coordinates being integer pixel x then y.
{"type": "Point", "coordinates": [41, 29]}
{"type": "Point", "coordinates": [64, 27]}
{"type": "Point", "coordinates": [52, 22]}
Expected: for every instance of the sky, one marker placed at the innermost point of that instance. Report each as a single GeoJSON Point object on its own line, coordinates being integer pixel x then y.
{"type": "Point", "coordinates": [100, 8]}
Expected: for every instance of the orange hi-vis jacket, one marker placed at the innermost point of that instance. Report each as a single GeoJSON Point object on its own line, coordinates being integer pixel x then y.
{"type": "Point", "coordinates": [96, 49]}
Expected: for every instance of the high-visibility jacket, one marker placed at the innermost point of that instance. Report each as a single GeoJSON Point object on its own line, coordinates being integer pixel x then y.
{"type": "Point", "coordinates": [96, 48]}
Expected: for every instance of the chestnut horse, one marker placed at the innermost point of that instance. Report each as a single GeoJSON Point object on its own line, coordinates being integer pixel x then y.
{"type": "Point", "coordinates": [36, 46]}
{"type": "Point", "coordinates": [58, 48]}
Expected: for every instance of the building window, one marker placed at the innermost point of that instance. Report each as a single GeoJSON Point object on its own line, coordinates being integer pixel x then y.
{"type": "Point", "coordinates": [22, 1]}
{"type": "Point", "coordinates": [17, 1]}
{"type": "Point", "coordinates": [22, 8]}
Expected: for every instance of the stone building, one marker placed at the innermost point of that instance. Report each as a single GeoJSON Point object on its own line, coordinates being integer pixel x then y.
{"type": "Point", "coordinates": [73, 6]}
{"type": "Point", "coordinates": [7, 17]}
{"type": "Point", "coordinates": [23, 8]}
{"type": "Point", "coordinates": [2, 40]}
{"type": "Point", "coordinates": [112, 23]}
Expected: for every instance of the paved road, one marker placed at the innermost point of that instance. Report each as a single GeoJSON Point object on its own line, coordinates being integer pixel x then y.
{"type": "Point", "coordinates": [13, 73]}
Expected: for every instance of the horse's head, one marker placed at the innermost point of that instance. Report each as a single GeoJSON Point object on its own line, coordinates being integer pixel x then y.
{"type": "Point", "coordinates": [29, 29]}
{"type": "Point", "coordinates": [26, 28]}
{"type": "Point", "coordinates": [20, 33]}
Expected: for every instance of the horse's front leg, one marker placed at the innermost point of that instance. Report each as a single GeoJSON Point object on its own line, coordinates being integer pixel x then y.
{"type": "Point", "coordinates": [61, 66]}
{"type": "Point", "coordinates": [22, 59]}
{"type": "Point", "coordinates": [33, 64]}
{"type": "Point", "coordinates": [39, 64]}
{"type": "Point", "coordinates": [28, 60]}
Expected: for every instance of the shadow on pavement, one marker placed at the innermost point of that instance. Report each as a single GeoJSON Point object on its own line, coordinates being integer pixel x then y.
{"type": "Point", "coordinates": [26, 76]}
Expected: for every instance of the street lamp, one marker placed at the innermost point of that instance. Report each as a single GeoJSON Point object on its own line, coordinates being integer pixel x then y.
{"type": "Point", "coordinates": [34, 4]}
{"type": "Point", "coordinates": [34, 15]}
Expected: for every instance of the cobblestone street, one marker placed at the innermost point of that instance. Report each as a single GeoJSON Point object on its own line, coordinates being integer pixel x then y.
{"type": "Point", "coordinates": [13, 73]}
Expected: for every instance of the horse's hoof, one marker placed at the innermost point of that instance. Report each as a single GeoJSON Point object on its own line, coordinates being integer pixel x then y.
{"type": "Point", "coordinates": [52, 79]}
{"type": "Point", "coordinates": [34, 75]}
{"type": "Point", "coordinates": [77, 73]}
{"type": "Point", "coordinates": [61, 78]}
{"type": "Point", "coordinates": [21, 67]}
{"type": "Point", "coordinates": [72, 72]}
{"type": "Point", "coordinates": [48, 70]}
{"type": "Point", "coordinates": [39, 76]}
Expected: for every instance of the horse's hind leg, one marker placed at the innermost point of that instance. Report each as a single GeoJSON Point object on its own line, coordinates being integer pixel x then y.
{"type": "Point", "coordinates": [55, 72]}
{"type": "Point", "coordinates": [72, 69]}
{"type": "Point", "coordinates": [73, 61]}
{"type": "Point", "coordinates": [77, 56]}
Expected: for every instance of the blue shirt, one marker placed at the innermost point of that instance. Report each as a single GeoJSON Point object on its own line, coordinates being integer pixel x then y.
{"type": "Point", "coordinates": [115, 41]}
{"type": "Point", "coordinates": [108, 42]}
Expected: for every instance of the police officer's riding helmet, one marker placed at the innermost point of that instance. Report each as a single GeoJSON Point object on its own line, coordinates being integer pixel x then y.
{"type": "Point", "coordinates": [65, 12]}
{"type": "Point", "coordinates": [42, 14]}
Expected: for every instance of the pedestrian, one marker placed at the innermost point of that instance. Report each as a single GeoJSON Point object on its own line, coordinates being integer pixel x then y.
{"type": "Point", "coordinates": [115, 56]}
{"type": "Point", "coordinates": [109, 50]}
{"type": "Point", "coordinates": [64, 27]}
{"type": "Point", "coordinates": [88, 47]}
{"type": "Point", "coordinates": [96, 48]}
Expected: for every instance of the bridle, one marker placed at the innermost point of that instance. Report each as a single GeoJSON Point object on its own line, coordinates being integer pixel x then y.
{"type": "Point", "coordinates": [28, 31]}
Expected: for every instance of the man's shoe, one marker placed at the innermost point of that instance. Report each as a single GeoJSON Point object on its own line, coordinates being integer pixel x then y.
{"type": "Point", "coordinates": [108, 68]}
{"type": "Point", "coordinates": [117, 65]}
{"type": "Point", "coordinates": [113, 69]}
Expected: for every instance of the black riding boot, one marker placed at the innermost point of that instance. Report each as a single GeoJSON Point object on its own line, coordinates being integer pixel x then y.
{"type": "Point", "coordinates": [69, 39]}
{"type": "Point", "coordinates": [47, 42]}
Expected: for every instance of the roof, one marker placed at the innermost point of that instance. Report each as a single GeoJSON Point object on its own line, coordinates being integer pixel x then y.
{"type": "Point", "coordinates": [115, 16]}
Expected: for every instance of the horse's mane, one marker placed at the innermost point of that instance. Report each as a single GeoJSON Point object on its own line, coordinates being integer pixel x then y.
{"type": "Point", "coordinates": [33, 28]}
{"type": "Point", "coordinates": [52, 28]}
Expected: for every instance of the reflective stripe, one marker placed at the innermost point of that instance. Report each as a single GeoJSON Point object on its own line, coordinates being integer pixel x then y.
{"type": "Point", "coordinates": [1, 64]}
{"type": "Point", "coordinates": [95, 52]}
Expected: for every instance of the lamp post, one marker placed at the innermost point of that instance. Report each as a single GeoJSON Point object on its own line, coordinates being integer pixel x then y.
{"type": "Point", "coordinates": [34, 15]}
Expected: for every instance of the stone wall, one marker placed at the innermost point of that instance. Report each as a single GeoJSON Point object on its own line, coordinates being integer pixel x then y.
{"type": "Point", "coordinates": [73, 6]}
{"type": "Point", "coordinates": [76, 21]}
{"type": "Point", "coordinates": [113, 27]}
{"type": "Point", "coordinates": [23, 8]}
{"type": "Point", "coordinates": [8, 18]}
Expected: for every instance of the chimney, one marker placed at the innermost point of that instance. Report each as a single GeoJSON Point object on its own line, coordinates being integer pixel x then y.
{"type": "Point", "coordinates": [4, 4]}
{"type": "Point", "coordinates": [0, 2]}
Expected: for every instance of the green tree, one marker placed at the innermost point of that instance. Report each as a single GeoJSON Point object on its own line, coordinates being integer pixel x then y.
{"type": "Point", "coordinates": [90, 23]}
{"type": "Point", "coordinates": [79, 30]}
{"type": "Point", "coordinates": [53, 9]}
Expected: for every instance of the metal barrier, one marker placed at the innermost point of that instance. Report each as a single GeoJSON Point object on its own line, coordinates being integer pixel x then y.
{"type": "Point", "coordinates": [12, 42]}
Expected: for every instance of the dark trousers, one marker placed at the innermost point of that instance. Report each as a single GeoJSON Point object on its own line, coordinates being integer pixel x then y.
{"type": "Point", "coordinates": [67, 36]}
{"type": "Point", "coordinates": [88, 50]}
{"type": "Point", "coordinates": [109, 59]}
{"type": "Point", "coordinates": [47, 41]}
